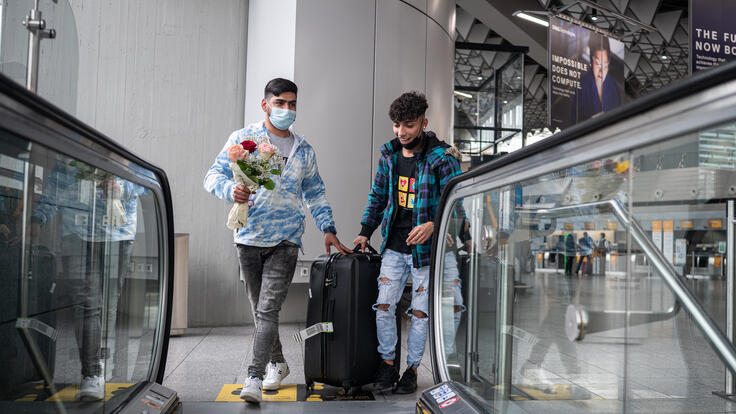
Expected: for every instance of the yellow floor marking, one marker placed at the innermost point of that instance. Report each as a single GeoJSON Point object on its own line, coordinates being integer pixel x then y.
{"type": "Point", "coordinates": [285, 393]}
{"type": "Point", "coordinates": [558, 392]}
{"type": "Point", "coordinates": [231, 393]}
{"type": "Point", "coordinates": [29, 397]}
{"type": "Point", "coordinates": [68, 393]}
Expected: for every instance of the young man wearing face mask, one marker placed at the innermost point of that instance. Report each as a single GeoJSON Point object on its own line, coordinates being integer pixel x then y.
{"type": "Point", "coordinates": [268, 246]}
{"type": "Point", "coordinates": [412, 171]}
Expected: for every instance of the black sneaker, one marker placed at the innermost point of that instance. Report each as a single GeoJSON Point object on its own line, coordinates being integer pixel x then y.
{"type": "Point", "coordinates": [386, 377]}
{"type": "Point", "coordinates": [408, 383]}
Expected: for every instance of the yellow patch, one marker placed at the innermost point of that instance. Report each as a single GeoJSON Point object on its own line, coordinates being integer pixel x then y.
{"type": "Point", "coordinates": [231, 393]}
{"type": "Point", "coordinates": [69, 393]}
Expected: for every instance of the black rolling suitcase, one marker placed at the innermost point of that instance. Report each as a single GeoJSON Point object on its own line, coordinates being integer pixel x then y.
{"type": "Point", "coordinates": [342, 291]}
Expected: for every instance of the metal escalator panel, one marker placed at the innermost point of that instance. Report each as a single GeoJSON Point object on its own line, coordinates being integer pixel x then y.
{"type": "Point", "coordinates": [86, 238]}
{"type": "Point", "coordinates": [595, 272]}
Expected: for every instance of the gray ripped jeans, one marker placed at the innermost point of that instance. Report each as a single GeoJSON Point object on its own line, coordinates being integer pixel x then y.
{"type": "Point", "coordinates": [267, 272]}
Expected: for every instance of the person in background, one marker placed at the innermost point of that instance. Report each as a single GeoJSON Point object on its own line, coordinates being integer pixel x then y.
{"type": "Point", "coordinates": [601, 250]}
{"type": "Point", "coordinates": [586, 250]}
{"type": "Point", "coordinates": [569, 253]}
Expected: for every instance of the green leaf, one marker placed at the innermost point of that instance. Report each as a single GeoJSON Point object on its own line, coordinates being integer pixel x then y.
{"type": "Point", "coordinates": [269, 185]}
{"type": "Point", "coordinates": [276, 171]}
{"type": "Point", "coordinates": [243, 167]}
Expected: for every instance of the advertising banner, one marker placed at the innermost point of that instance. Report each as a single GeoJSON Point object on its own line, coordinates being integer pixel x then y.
{"type": "Point", "coordinates": [586, 73]}
{"type": "Point", "coordinates": [712, 34]}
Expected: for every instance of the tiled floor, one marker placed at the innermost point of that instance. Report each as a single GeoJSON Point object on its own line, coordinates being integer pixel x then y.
{"type": "Point", "coordinates": [203, 359]}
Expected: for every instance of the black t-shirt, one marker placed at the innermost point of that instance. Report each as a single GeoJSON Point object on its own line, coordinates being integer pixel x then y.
{"type": "Point", "coordinates": [404, 201]}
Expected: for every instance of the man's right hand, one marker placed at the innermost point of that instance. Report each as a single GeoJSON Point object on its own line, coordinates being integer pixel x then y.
{"type": "Point", "coordinates": [362, 241]}
{"type": "Point", "coordinates": [241, 194]}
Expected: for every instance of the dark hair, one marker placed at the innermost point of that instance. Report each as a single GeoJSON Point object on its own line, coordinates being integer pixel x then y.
{"type": "Point", "coordinates": [276, 87]}
{"type": "Point", "coordinates": [596, 43]}
{"type": "Point", "coordinates": [408, 106]}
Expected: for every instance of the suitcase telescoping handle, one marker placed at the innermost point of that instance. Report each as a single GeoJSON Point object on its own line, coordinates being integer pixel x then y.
{"type": "Point", "coordinates": [330, 274]}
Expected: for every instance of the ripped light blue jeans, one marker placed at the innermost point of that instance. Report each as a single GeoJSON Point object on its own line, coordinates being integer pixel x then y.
{"type": "Point", "coordinates": [395, 270]}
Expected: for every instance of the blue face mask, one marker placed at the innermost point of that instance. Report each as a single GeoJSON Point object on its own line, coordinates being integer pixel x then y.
{"type": "Point", "coordinates": [282, 118]}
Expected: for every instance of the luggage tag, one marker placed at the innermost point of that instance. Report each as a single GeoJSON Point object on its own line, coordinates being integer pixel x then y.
{"type": "Point", "coordinates": [36, 325]}
{"type": "Point", "coordinates": [316, 329]}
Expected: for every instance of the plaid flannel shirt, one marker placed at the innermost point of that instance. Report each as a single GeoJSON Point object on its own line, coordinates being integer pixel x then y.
{"type": "Point", "coordinates": [435, 167]}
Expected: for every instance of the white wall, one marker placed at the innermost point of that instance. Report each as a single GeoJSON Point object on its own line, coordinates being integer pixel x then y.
{"type": "Point", "coordinates": [353, 58]}
{"type": "Point", "coordinates": [271, 44]}
{"type": "Point", "coordinates": [167, 80]}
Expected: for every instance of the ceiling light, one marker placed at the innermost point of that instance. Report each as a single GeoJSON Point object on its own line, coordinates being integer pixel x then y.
{"type": "Point", "coordinates": [505, 102]}
{"type": "Point", "coordinates": [664, 57]}
{"type": "Point", "coordinates": [526, 16]}
{"type": "Point", "coordinates": [480, 78]}
{"type": "Point", "coordinates": [594, 15]}
{"type": "Point", "coordinates": [463, 94]}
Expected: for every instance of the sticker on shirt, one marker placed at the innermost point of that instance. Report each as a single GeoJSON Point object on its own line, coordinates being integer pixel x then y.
{"type": "Point", "coordinates": [411, 185]}
{"type": "Point", "coordinates": [410, 201]}
{"type": "Point", "coordinates": [402, 199]}
{"type": "Point", "coordinates": [403, 184]}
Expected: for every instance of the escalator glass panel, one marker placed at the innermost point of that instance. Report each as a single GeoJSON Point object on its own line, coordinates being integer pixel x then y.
{"type": "Point", "coordinates": [562, 289]}
{"type": "Point", "coordinates": [80, 253]}
{"type": "Point", "coordinates": [680, 196]}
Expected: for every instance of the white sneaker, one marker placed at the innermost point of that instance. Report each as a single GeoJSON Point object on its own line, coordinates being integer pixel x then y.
{"type": "Point", "coordinates": [91, 389]}
{"type": "Point", "coordinates": [252, 390]}
{"type": "Point", "coordinates": [275, 373]}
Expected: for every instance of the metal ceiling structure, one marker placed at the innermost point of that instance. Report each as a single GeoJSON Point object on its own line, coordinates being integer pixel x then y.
{"type": "Point", "coordinates": [652, 59]}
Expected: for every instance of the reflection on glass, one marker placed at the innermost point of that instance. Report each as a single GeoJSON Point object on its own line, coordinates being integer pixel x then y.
{"type": "Point", "coordinates": [458, 244]}
{"type": "Point", "coordinates": [542, 247]}
{"type": "Point", "coordinates": [89, 305]}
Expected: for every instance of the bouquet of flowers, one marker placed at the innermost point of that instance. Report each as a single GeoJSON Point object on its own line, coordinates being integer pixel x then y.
{"type": "Point", "coordinates": [114, 210]}
{"type": "Point", "coordinates": [252, 164]}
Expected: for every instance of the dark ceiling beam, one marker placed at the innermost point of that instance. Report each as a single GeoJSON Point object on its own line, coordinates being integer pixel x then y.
{"type": "Point", "coordinates": [490, 47]}
{"type": "Point", "coordinates": [497, 15]}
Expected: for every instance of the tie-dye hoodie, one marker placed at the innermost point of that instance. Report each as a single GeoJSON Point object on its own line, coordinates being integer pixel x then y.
{"type": "Point", "coordinates": [275, 215]}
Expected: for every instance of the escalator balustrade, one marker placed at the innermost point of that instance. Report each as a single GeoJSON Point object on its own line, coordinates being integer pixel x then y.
{"type": "Point", "coordinates": [599, 266]}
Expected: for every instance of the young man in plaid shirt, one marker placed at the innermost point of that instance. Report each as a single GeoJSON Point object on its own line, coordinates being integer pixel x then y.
{"type": "Point", "coordinates": [412, 171]}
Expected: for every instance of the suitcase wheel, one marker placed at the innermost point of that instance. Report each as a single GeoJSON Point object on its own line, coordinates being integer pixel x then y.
{"type": "Point", "coordinates": [351, 390]}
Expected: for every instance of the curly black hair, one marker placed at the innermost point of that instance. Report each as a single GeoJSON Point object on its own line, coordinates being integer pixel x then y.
{"type": "Point", "coordinates": [408, 106]}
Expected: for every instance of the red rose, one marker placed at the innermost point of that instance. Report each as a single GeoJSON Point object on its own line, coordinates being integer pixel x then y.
{"type": "Point", "coordinates": [249, 146]}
